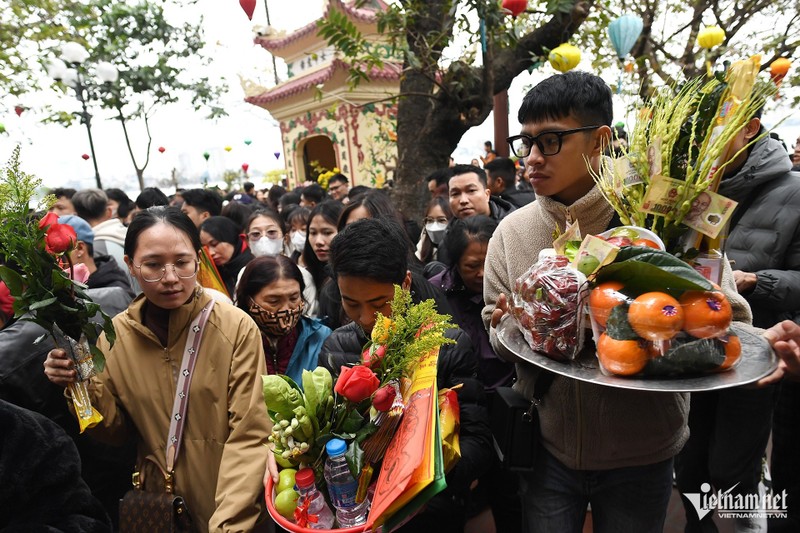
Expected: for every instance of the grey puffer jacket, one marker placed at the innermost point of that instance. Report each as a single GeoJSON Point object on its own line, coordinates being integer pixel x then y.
{"type": "Point", "coordinates": [766, 239]}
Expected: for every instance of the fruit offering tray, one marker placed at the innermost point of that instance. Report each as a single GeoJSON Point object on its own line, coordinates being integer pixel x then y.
{"type": "Point", "coordinates": [757, 361]}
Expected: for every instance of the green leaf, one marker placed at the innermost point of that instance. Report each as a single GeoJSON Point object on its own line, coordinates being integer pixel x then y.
{"type": "Point", "coordinates": [353, 422]}
{"type": "Point", "coordinates": [98, 358]}
{"type": "Point", "coordinates": [694, 357]}
{"type": "Point", "coordinates": [617, 325]}
{"type": "Point", "coordinates": [42, 303]}
{"type": "Point", "coordinates": [12, 280]}
{"type": "Point", "coordinates": [355, 458]}
{"type": "Point", "coordinates": [643, 269]}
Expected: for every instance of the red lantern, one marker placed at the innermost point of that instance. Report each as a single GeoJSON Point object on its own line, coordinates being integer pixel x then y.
{"type": "Point", "coordinates": [162, 149]}
{"type": "Point", "coordinates": [245, 166]}
{"type": "Point", "coordinates": [86, 157]}
{"type": "Point", "coordinates": [515, 7]}
{"type": "Point", "coordinates": [18, 110]}
{"type": "Point", "coordinates": [249, 7]}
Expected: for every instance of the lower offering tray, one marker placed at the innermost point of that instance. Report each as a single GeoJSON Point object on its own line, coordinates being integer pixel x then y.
{"type": "Point", "coordinates": [757, 361]}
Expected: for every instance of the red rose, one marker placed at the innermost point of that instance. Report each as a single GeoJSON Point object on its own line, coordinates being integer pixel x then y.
{"type": "Point", "coordinates": [59, 238]}
{"type": "Point", "coordinates": [356, 383]}
{"type": "Point", "coordinates": [384, 398]}
{"type": "Point", "coordinates": [372, 356]}
{"type": "Point", "coordinates": [49, 219]}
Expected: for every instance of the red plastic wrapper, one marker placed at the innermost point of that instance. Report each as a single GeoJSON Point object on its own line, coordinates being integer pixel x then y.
{"type": "Point", "coordinates": [547, 303]}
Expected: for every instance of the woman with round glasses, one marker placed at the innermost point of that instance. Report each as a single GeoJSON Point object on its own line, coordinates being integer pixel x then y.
{"type": "Point", "coordinates": [271, 292]}
{"type": "Point", "coordinates": [217, 472]}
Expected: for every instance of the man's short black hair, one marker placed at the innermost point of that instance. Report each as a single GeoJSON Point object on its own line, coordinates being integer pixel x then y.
{"type": "Point", "coordinates": [314, 193]}
{"type": "Point", "coordinates": [60, 192]}
{"type": "Point", "coordinates": [203, 200]}
{"type": "Point", "coordinates": [502, 167]}
{"type": "Point", "coordinates": [151, 197]}
{"type": "Point", "coordinates": [466, 169]}
{"type": "Point", "coordinates": [248, 186]}
{"type": "Point", "coordinates": [441, 175]}
{"type": "Point", "coordinates": [371, 248]}
{"type": "Point", "coordinates": [579, 94]}
{"type": "Point", "coordinates": [338, 177]}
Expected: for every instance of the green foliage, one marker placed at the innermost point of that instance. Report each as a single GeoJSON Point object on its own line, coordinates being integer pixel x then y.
{"type": "Point", "coordinates": [342, 34]}
{"type": "Point", "coordinates": [43, 292]}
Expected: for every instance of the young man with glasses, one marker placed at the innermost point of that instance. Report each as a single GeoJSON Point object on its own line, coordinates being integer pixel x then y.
{"type": "Point", "coordinates": [608, 447]}
{"type": "Point", "coordinates": [338, 187]}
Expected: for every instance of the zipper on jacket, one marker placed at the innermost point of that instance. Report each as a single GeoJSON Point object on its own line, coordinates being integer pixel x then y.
{"type": "Point", "coordinates": [579, 439]}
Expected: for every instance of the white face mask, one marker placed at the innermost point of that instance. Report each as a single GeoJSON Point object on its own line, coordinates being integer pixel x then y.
{"type": "Point", "coordinates": [435, 231]}
{"type": "Point", "coordinates": [266, 246]}
{"type": "Point", "coordinates": [299, 240]}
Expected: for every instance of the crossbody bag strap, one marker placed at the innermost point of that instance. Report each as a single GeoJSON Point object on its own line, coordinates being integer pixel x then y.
{"type": "Point", "coordinates": [540, 388]}
{"type": "Point", "coordinates": [178, 419]}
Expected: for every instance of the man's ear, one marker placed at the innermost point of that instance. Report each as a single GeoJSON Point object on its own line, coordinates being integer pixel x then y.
{"type": "Point", "coordinates": [406, 285]}
{"type": "Point", "coordinates": [204, 215]}
{"type": "Point", "coordinates": [752, 128]}
{"type": "Point", "coordinates": [602, 140]}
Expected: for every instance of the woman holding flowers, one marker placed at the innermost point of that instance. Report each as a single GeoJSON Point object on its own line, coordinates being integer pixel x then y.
{"type": "Point", "coordinates": [271, 292]}
{"type": "Point", "coordinates": [217, 471]}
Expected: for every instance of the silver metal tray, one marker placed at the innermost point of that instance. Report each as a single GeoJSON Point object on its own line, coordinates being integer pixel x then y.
{"type": "Point", "coordinates": [757, 361]}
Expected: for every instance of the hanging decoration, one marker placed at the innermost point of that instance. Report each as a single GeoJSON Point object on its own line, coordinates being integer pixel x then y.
{"type": "Point", "coordinates": [245, 166]}
{"type": "Point", "coordinates": [564, 57]}
{"type": "Point", "coordinates": [708, 38]}
{"type": "Point", "coordinates": [277, 155]}
{"type": "Point", "coordinates": [247, 142]}
{"type": "Point", "coordinates": [515, 7]}
{"type": "Point", "coordinates": [249, 7]}
{"type": "Point", "coordinates": [778, 70]}
{"type": "Point", "coordinates": [206, 155]}
{"type": "Point", "coordinates": [2, 128]}
{"type": "Point", "coordinates": [18, 109]}
{"type": "Point", "coordinates": [228, 148]}
{"type": "Point", "coordinates": [86, 157]}
{"type": "Point", "coordinates": [624, 32]}
{"type": "Point", "coordinates": [162, 149]}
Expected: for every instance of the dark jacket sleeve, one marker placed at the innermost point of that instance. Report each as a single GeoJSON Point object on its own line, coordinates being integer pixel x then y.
{"type": "Point", "coordinates": [459, 364]}
{"type": "Point", "coordinates": [42, 488]}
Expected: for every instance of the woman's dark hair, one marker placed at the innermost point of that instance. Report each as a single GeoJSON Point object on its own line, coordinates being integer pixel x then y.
{"type": "Point", "coordinates": [426, 251]}
{"type": "Point", "coordinates": [150, 197]}
{"type": "Point", "coordinates": [160, 214]}
{"type": "Point", "coordinates": [377, 204]}
{"type": "Point", "coordinates": [314, 193]}
{"type": "Point", "coordinates": [330, 211]}
{"type": "Point", "coordinates": [464, 231]}
{"type": "Point", "coordinates": [274, 195]}
{"type": "Point", "coordinates": [268, 213]}
{"type": "Point", "coordinates": [263, 271]}
{"type": "Point", "coordinates": [358, 190]}
{"type": "Point", "coordinates": [370, 248]}
{"type": "Point", "coordinates": [299, 213]}
{"type": "Point", "coordinates": [223, 229]}
{"type": "Point", "coordinates": [238, 212]}
{"type": "Point", "coordinates": [292, 197]}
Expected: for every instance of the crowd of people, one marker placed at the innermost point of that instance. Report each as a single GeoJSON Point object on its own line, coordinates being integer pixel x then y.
{"type": "Point", "coordinates": [293, 280]}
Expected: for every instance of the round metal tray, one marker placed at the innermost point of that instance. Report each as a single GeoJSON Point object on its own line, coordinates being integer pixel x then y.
{"type": "Point", "coordinates": [757, 361]}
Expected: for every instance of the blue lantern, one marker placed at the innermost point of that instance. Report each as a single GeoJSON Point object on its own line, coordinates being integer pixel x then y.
{"type": "Point", "coordinates": [623, 33]}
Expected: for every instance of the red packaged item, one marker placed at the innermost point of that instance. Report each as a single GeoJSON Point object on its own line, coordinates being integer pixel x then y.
{"type": "Point", "coordinates": [547, 303]}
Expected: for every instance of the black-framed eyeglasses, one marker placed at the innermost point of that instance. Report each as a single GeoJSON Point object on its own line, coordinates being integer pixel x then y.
{"type": "Point", "coordinates": [548, 143]}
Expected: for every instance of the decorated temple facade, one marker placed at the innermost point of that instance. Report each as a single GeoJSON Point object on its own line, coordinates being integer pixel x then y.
{"type": "Point", "coordinates": [324, 124]}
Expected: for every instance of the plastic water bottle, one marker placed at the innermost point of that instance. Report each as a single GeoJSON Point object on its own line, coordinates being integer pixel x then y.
{"type": "Point", "coordinates": [342, 487]}
{"type": "Point", "coordinates": [313, 498]}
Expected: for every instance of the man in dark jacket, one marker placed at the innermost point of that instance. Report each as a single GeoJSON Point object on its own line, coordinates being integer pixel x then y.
{"type": "Point", "coordinates": [501, 176]}
{"type": "Point", "coordinates": [106, 470]}
{"type": "Point", "coordinates": [368, 260]}
{"type": "Point", "coordinates": [729, 429]}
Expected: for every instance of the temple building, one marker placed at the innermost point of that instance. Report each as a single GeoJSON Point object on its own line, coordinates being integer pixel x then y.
{"type": "Point", "coordinates": [324, 123]}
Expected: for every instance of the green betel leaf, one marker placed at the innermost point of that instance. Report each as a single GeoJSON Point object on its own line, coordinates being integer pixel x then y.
{"type": "Point", "coordinates": [644, 270]}
{"type": "Point", "coordinates": [42, 303]}
{"type": "Point", "coordinates": [12, 280]}
{"type": "Point", "coordinates": [98, 358]}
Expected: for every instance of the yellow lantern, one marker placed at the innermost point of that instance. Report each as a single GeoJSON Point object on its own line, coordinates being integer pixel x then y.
{"type": "Point", "coordinates": [710, 36]}
{"type": "Point", "coordinates": [228, 148]}
{"type": "Point", "coordinates": [564, 57]}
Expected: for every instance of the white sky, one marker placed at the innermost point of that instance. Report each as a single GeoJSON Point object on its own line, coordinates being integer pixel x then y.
{"type": "Point", "coordinates": [53, 153]}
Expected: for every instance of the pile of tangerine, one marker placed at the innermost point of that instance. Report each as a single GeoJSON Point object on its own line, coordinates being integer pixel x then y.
{"type": "Point", "coordinates": [657, 318]}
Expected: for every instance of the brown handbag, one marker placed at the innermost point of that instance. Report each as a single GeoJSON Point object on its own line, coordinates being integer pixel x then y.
{"type": "Point", "coordinates": [166, 512]}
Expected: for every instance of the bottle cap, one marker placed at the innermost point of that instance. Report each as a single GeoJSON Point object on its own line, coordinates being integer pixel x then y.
{"type": "Point", "coordinates": [336, 447]}
{"type": "Point", "coordinates": [304, 478]}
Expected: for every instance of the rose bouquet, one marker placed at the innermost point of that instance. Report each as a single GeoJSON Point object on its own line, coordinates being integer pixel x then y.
{"type": "Point", "coordinates": [47, 288]}
{"type": "Point", "coordinates": [365, 407]}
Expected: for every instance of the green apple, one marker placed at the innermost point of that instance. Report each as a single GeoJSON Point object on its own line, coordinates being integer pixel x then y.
{"type": "Point", "coordinates": [286, 502]}
{"type": "Point", "coordinates": [285, 479]}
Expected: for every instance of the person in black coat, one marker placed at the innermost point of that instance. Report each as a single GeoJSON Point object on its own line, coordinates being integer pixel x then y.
{"type": "Point", "coordinates": [42, 489]}
{"type": "Point", "coordinates": [367, 259]}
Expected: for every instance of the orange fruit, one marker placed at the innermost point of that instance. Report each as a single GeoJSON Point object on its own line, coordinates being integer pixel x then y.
{"type": "Point", "coordinates": [655, 316]}
{"type": "Point", "coordinates": [706, 313]}
{"type": "Point", "coordinates": [604, 298]}
{"type": "Point", "coordinates": [733, 349]}
{"type": "Point", "coordinates": [624, 358]}
{"type": "Point", "coordinates": [646, 242]}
